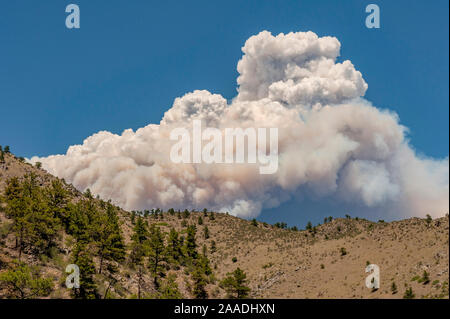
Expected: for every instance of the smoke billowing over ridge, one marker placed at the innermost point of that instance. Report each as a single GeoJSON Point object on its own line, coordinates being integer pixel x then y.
{"type": "Point", "coordinates": [332, 143]}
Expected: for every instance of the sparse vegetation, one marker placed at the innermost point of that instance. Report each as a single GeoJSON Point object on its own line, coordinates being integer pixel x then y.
{"type": "Point", "coordinates": [425, 278]}
{"type": "Point", "coordinates": [409, 294]}
{"type": "Point", "coordinates": [394, 289]}
{"type": "Point", "coordinates": [428, 220]}
{"type": "Point", "coordinates": [235, 284]}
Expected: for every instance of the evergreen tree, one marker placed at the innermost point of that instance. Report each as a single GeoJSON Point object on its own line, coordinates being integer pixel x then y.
{"type": "Point", "coordinates": [428, 220]}
{"type": "Point", "coordinates": [23, 282]}
{"type": "Point", "coordinates": [44, 226]}
{"type": "Point", "coordinates": [139, 249]}
{"type": "Point", "coordinates": [169, 289]}
{"type": "Point", "coordinates": [203, 263]}
{"type": "Point", "coordinates": [57, 200]}
{"type": "Point", "coordinates": [84, 221]}
{"type": "Point", "coordinates": [174, 248]}
{"type": "Point", "coordinates": [110, 243]}
{"type": "Point", "coordinates": [156, 255]}
{"type": "Point", "coordinates": [409, 294]}
{"type": "Point", "coordinates": [16, 207]}
{"type": "Point", "coordinates": [190, 243]}
{"type": "Point", "coordinates": [235, 284]}
{"type": "Point", "coordinates": [34, 224]}
{"type": "Point", "coordinates": [199, 282]}
{"type": "Point", "coordinates": [139, 245]}
{"type": "Point", "coordinates": [83, 259]}
{"type": "Point", "coordinates": [206, 232]}
{"type": "Point", "coordinates": [2, 156]}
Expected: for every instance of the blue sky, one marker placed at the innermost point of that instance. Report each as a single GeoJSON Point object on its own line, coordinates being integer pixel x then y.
{"type": "Point", "coordinates": [130, 59]}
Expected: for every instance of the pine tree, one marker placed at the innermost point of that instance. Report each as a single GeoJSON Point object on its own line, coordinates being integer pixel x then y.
{"type": "Point", "coordinates": [429, 219]}
{"type": "Point", "coordinates": [156, 255]}
{"type": "Point", "coordinates": [23, 282]}
{"type": "Point", "coordinates": [203, 263]}
{"type": "Point", "coordinates": [139, 249]}
{"type": "Point", "coordinates": [44, 226]}
{"type": "Point", "coordinates": [206, 232]}
{"type": "Point", "coordinates": [83, 259]}
{"type": "Point", "coordinates": [139, 245]}
{"type": "Point", "coordinates": [57, 200]}
{"type": "Point", "coordinates": [16, 207]}
{"type": "Point", "coordinates": [199, 282]}
{"type": "Point", "coordinates": [235, 284]}
{"type": "Point", "coordinates": [34, 224]}
{"type": "Point", "coordinates": [409, 294]}
{"type": "Point", "coordinates": [190, 243]}
{"type": "Point", "coordinates": [78, 222]}
{"type": "Point", "coordinates": [2, 156]}
{"type": "Point", "coordinates": [169, 289]}
{"type": "Point", "coordinates": [174, 249]}
{"type": "Point", "coordinates": [110, 243]}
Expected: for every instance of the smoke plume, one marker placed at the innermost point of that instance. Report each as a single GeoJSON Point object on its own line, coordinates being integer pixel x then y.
{"type": "Point", "coordinates": [332, 143]}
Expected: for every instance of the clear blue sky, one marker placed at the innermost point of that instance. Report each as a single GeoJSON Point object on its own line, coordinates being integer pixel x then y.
{"type": "Point", "coordinates": [130, 59]}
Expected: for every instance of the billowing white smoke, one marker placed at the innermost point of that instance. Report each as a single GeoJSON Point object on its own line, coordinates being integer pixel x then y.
{"type": "Point", "coordinates": [332, 143]}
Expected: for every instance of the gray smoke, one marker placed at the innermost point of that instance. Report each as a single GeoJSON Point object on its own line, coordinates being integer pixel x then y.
{"type": "Point", "coordinates": [332, 143]}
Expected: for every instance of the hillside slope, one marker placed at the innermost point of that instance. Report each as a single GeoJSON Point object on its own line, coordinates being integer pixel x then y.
{"type": "Point", "coordinates": [327, 261]}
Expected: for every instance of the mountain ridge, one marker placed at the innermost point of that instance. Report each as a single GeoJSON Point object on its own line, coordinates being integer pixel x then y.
{"type": "Point", "coordinates": [323, 261]}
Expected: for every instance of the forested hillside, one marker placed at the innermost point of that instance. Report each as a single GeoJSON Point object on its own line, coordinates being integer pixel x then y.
{"type": "Point", "coordinates": [46, 224]}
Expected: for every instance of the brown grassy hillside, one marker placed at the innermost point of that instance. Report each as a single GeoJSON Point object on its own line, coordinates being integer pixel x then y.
{"type": "Point", "coordinates": [326, 262]}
